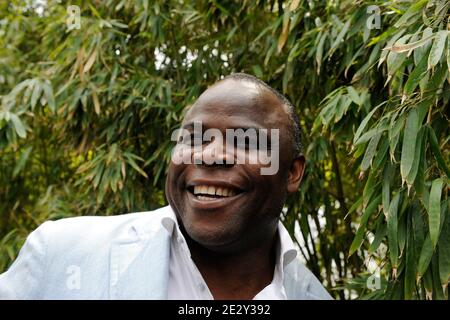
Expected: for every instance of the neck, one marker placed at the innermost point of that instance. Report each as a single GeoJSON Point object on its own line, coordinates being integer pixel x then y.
{"type": "Point", "coordinates": [240, 274]}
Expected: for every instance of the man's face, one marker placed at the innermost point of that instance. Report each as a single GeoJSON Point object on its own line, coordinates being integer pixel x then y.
{"type": "Point", "coordinates": [228, 206]}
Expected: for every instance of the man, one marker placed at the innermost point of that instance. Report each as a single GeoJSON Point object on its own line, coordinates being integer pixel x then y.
{"type": "Point", "coordinates": [219, 238]}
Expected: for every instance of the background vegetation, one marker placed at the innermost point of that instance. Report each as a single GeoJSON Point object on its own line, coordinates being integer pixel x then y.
{"type": "Point", "coordinates": [86, 116]}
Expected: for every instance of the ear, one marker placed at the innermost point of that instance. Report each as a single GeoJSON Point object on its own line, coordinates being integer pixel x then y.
{"type": "Point", "coordinates": [296, 174]}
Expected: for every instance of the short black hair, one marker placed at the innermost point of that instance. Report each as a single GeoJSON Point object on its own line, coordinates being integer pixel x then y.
{"type": "Point", "coordinates": [290, 109]}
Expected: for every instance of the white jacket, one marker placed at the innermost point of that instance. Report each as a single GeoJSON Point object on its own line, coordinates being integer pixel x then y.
{"type": "Point", "coordinates": [114, 257]}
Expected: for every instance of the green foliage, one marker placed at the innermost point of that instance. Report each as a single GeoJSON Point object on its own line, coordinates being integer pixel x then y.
{"type": "Point", "coordinates": [86, 118]}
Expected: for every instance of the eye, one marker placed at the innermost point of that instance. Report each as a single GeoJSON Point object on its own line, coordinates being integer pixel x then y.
{"type": "Point", "coordinates": [267, 146]}
{"type": "Point", "coordinates": [184, 139]}
{"type": "Point", "coordinates": [250, 143]}
{"type": "Point", "coordinates": [245, 142]}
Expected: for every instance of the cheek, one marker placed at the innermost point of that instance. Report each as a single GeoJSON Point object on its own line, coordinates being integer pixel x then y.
{"type": "Point", "coordinates": [182, 155]}
{"type": "Point", "coordinates": [174, 181]}
{"type": "Point", "coordinates": [268, 188]}
{"type": "Point", "coordinates": [259, 159]}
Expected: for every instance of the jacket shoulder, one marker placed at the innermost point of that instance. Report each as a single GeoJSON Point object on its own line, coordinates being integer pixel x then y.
{"type": "Point", "coordinates": [86, 237]}
{"type": "Point", "coordinates": [123, 226]}
{"type": "Point", "coordinates": [58, 250]}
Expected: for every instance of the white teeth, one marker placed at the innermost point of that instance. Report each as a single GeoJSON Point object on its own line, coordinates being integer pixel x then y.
{"type": "Point", "coordinates": [203, 198]}
{"type": "Point", "coordinates": [212, 190]}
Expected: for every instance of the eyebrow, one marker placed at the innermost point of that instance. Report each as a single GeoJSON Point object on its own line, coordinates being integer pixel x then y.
{"type": "Point", "coordinates": [189, 125]}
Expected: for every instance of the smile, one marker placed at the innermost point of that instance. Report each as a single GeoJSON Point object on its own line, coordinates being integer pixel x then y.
{"type": "Point", "coordinates": [206, 195]}
{"type": "Point", "coordinates": [211, 192]}
{"type": "Point", "coordinates": [206, 192]}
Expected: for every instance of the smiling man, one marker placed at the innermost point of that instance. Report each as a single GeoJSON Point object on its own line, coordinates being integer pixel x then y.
{"type": "Point", "coordinates": [237, 158]}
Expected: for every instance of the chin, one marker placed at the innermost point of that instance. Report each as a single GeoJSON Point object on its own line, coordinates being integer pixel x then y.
{"type": "Point", "coordinates": [211, 236]}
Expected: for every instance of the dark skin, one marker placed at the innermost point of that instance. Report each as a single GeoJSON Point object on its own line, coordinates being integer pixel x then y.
{"type": "Point", "coordinates": [232, 240]}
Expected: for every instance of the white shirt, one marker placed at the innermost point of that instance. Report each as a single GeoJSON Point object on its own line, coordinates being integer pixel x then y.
{"type": "Point", "coordinates": [187, 283]}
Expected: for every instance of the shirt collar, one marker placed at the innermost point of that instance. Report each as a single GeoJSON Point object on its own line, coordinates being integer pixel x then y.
{"type": "Point", "coordinates": [286, 251]}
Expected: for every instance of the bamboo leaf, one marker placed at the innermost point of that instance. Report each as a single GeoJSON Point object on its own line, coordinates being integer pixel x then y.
{"type": "Point", "coordinates": [410, 264]}
{"type": "Point", "coordinates": [319, 51]}
{"type": "Point", "coordinates": [394, 134]}
{"type": "Point", "coordinates": [384, 53]}
{"type": "Point", "coordinates": [411, 177]}
{"type": "Point", "coordinates": [370, 152]}
{"type": "Point", "coordinates": [18, 125]}
{"type": "Point", "coordinates": [425, 257]}
{"type": "Point", "coordinates": [342, 107]}
{"type": "Point", "coordinates": [363, 124]}
{"type": "Point", "coordinates": [380, 156]}
{"type": "Point", "coordinates": [359, 237]}
{"type": "Point", "coordinates": [444, 250]}
{"type": "Point", "coordinates": [392, 225]}
{"type": "Point", "coordinates": [412, 11]}
{"type": "Point", "coordinates": [96, 102]}
{"type": "Point", "coordinates": [419, 228]}
{"type": "Point", "coordinates": [386, 192]}
{"type": "Point", "coordinates": [437, 151]}
{"type": "Point", "coordinates": [437, 48]}
{"type": "Point", "coordinates": [354, 206]}
{"type": "Point", "coordinates": [436, 81]}
{"type": "Point", "coordinates": [448, 54]}
{"type": "Point", "coordinates": [294, 5]}
{"type": "Point", "coordinates": [401, 232]}
{"type": "Point", "coordinates": [354, 96]}
{"type": "Point", "coordinates": [416, 75]}
{"type": "Point", "coordinates": [90, 61]}
{"type": "Point", "coordinates": [434, 210]}
{"type": "Point", "coordinates": [285, 31]}
{"type": "Point", "coordinates": [369, 188]}
{"type": "Point", "coordinates": [136, 167]}
{"type": "Point", "coordinates": [409, 142]}
{"type": "Point", "coordinates": [339, 39]}
{"type": "Point", "coordinates": [37, 90]}
{"type": "Point", "coordinates": [380, 233]}
{"type": "Point", "coordinates": [22, 161]}
{"type": "Point", "coordinates": [423, 50]}
{"type": "Point", "coordinates": [410, 46]}
{"type": "Point", "coordinates": [437, 292]}
{"type": "Point", "coordinates": [428, 283]}
{"type": "Point", "coordinates": [395, 60]}
{"type": "Point", "coordinates": [48, 90]}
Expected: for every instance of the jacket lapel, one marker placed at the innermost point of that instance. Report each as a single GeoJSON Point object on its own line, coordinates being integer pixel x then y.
{"type": "Point", "coordinates": [139, 267]}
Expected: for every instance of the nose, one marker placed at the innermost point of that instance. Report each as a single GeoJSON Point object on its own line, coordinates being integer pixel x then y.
{"type": "Point", "coordinates": [214, 154]}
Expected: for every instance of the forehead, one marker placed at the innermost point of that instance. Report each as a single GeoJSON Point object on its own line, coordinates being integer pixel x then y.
{"type": "Point", "coordinates": [238, 103]}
